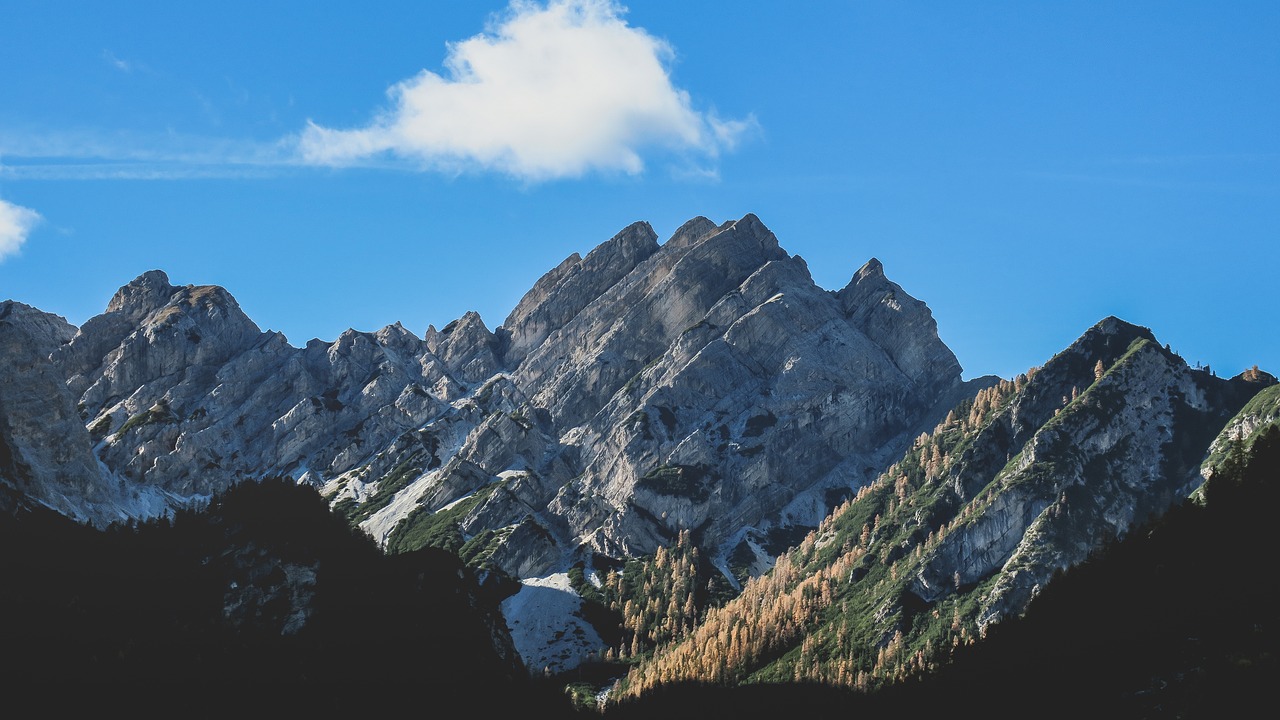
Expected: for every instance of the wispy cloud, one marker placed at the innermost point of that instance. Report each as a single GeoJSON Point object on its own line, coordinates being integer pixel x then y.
{"type": "Point", "coordinates": [94, 155]}
{"type": "Point", "coordinates": [124, 66]}
{"type": "Point", "coordinates": [16, 223]}
{"type": "Point", "coordinates": [548, 91]}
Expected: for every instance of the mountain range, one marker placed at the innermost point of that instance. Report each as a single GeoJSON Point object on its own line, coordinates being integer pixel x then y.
{"type": "Point", "coordinates": [681, 461]}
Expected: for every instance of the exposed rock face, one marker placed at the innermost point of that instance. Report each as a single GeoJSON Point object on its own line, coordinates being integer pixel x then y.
{"type": "Point", "coordinates": [46, 331]}
{"type": "Point", "coordinates": [45, 453]}
{"type": "Point", "coordinates": [899, 323]}
{"type": "Point", "coordinates": [1025, 478]}
{"type": "Point", "coordinates": [706, 383]}
{"type": "Point", "coordinates": [562, 293]}
{"type": "Point", "coordinates": [703, 384]}
{"type": "Point", "coordinates": [1076, 460]}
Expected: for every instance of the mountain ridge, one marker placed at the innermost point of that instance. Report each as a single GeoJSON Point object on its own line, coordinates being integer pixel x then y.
{"type": "Point", "coordinates": [704, 387]}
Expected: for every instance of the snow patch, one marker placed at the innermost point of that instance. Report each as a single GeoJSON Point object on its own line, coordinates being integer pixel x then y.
{"type": "Point", "coordinates": [545, 625]}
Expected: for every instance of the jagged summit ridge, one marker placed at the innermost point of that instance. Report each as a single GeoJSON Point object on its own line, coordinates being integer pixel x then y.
{"type": "Point", "coordinates": [181, 390]}
{"type": "Point", "coordinates": [700, 387]}
{"type": "Point", "coordinates": [1027, 478]}
{"type": "Point", "coordinates": [563, 292]}
{"type": "Point", "coordinates": [704, 383]}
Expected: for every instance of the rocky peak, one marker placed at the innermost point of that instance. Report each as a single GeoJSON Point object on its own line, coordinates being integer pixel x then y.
{"type": "Point", "coordinates": [1110, 337]}
{"type": "Point", "coordinates": [579, 366]}
{"type": "Point", "coordinates": [143, 295]}
{"type": "Point", "coordinates": [873, 268]}
{"type": "Point", "coordinates": [467, 348]}
{"type": "Point", "coordinates": [562, 293]}
{"type": "Point", "coordinates": [397, 337]}
{"type": "Point", "coordinates": [47, 331]}
{"type": "Point", "coordinates": [431, 337]}
{"type": "Point", "coordinates": [751, 225]}
{"type": "Point", "coordinates": [901, 324]}
{"type": "Point", "coordinates": [691, 232]}
{"type": "Point", "coordinates": [153, 330]}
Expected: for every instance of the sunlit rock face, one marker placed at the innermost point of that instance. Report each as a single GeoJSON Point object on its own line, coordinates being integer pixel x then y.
{"type": "Point", "coordinates": [703, 383]}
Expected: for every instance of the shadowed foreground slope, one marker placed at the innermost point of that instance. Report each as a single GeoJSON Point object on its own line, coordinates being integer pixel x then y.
{"type": "Point", "coordinates": [263, 601]}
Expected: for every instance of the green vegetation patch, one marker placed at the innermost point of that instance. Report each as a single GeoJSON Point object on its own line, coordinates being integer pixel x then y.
{"type": "Point", "coordinates": [423, 528]}
{"type": "Point", "coordinates": [158, 413]}
{"type": "Point", "coordinates": [101, 428]}
{"type": "Point", "coordinates": [390, 484]}
{"type": "Point", "coordinates": [477, 551]}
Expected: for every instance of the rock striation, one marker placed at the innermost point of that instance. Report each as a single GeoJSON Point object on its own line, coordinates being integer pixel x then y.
{"type": "Point", "coordinates": [1023, 480]}
{"type": "Point", "coordinates": [45, 454]}
{"type": "Point", "coordinates": [705, 383]}
{"type": "Point", "coordinates": [1106, 436]}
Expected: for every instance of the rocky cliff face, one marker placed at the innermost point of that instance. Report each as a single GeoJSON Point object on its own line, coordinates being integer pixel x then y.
{"type": "Point", "coordinates": [702, 384]}
{"type": "Point", "coordinates": [705, 383]}
{"type": "Point", "coordinates": [1106, 436]}
{"type": "Point", "coordinates": [1027, 478]}
{"type": "Point", "coordinates": [45, 454]}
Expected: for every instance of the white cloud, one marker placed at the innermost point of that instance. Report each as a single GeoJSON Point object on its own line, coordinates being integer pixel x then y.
{"type": "Point", "coordinates": [16, 223]}
{"type": "Point", "coordinates": [547, 91]}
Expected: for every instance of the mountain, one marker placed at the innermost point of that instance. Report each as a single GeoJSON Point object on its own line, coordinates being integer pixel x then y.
{"type": "Point", "coordinates": [661, 442]}
{"type": "Point", "coordinates": [1031, 478]}
{"type": "Point", "coordinates": [1161, 624]}
{"type": "Point", "coordinates": [703, 384]}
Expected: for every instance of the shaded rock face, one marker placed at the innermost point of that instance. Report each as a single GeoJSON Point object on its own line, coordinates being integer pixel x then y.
{"type": "Point", "coordinates": [705, 384]}
{"type": "Point", "coordinates": [45, 453]}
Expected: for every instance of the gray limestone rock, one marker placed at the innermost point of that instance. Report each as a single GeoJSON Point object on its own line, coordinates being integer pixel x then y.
{"type": "Point", "coordinates": [704, 384]}
{"type": "Point", "coordinates": [563, 292]}
{"type": "Point", "coordinates": [45, 450]}
{"type": "Point", "coordinates": [47, 332]}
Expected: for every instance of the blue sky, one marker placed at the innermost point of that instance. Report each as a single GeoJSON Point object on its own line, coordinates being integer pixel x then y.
{"type": "Point", "coordinates": [1025, 168]}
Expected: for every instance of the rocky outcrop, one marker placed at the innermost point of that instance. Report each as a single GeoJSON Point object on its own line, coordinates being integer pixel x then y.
{"type": "Point", "coordinates": [1025, 479]}
{"type": "Point", "coordinates": [1106, 436]}
{"type": "Point", "coordinates": [562, 293]}
{"type": "Point", "coordinates": [45, 454]}
{"type": "Point", "coordinates": [46, 332]}
{"type": "Point", "coordinates": [900, 324]}
{"type": "Point", "coordinates": [705, 384]}
{"type": "Point", "coordinates": [713, 386]}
